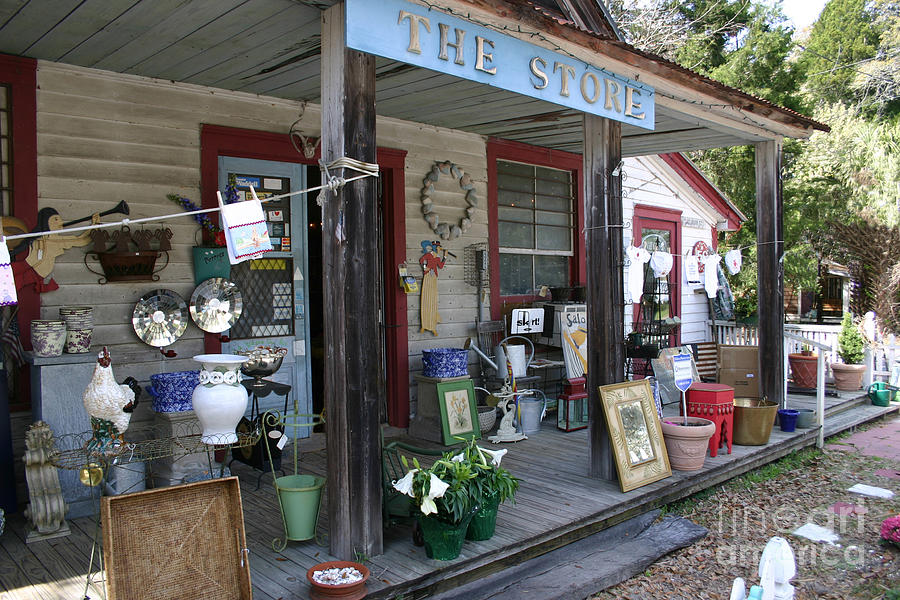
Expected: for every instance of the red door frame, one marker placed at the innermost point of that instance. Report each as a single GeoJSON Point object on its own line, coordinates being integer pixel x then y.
{"type": "Point", "coordinates": [666, 218]}
{"type": "Point", "coordinates": [21, 76]}
{"type": "Point", "coordinates": [498, 149]}
{"type": "Point", "coordinates": [216, 140]}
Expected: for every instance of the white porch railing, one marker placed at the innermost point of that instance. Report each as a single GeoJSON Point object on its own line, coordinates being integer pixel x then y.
{"type": "Point", "coordinates": [792, 338]}
{"type": "Point", "coordinates": [880, 360]}
{"type": "Point", "coordinates": [730, 333]}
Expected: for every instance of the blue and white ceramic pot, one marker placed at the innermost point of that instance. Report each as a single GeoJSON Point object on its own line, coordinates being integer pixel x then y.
{"type": "Point", "coordinates": [171, 392]}
{"type": "Point", "coordinates": [445, 362]}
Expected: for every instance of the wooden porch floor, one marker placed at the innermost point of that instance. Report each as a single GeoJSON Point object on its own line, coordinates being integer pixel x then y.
{"type": "Point", "coordinates": [557, 503]}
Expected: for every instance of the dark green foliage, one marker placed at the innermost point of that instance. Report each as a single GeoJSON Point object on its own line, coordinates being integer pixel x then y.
{"type": "Point", "coordinates": [470, 477]}
{"type": "Point", "coordinates": [491, 479]}
{"type": "Point", "coordinates": [843, 36]}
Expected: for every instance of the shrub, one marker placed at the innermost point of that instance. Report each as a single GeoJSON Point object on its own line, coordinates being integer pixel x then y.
{"type": "Point", "coordinates": [850, 342]}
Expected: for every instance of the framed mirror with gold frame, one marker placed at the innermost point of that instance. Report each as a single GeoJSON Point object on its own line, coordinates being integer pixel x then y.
{"type": "Point", "coordinates": [635, 433]}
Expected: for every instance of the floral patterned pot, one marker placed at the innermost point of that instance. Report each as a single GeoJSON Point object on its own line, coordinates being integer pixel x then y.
{"type": "Point", "coordinates": [171, 392]}
{"type": "Point", "coordinates": [48, 337]}
{"type": "Point", "coordinates": [78, 341]}
{"type": "Point", "coordinates": [219, 400]}
{"type": "Point", "coordinates": [445, 362]}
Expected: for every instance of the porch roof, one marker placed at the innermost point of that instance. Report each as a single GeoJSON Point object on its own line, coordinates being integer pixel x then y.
{"type": "Point", "coordinates": [273, 48]}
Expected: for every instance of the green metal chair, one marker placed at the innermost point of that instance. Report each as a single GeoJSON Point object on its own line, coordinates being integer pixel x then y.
{"type": "Point", "coordinates": [397, 507]}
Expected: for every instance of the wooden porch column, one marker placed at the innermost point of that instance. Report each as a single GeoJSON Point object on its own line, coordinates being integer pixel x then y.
{"type": "Point", "coordinates": [350, 288]}
{"type": "Point", "coordinates": [605, 287]}
{"type": "Point", "coordinates": [770, 285]}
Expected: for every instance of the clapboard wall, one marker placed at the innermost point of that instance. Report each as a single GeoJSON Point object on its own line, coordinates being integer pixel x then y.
{"type": "Point", "coordinates": [105, 137]}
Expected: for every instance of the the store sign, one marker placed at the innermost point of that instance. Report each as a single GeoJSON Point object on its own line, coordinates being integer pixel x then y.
{"type": "Point", "coordinates": [414, 34]}
{"type": "Point", "coordinates": [527, 320]}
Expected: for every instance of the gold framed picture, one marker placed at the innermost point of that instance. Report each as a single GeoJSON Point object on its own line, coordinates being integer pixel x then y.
{"type": "Point", "coordinates": [635, 433]}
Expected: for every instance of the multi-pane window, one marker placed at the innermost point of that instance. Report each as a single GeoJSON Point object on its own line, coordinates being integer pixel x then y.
{"type": "Point", "coordinates": [535, 224]}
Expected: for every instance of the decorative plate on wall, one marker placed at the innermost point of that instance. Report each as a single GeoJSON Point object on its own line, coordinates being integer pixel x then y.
{"type": "Point", "coordinates": [216, 304]}
{"type": "Point", "coordinates": [160, 317]}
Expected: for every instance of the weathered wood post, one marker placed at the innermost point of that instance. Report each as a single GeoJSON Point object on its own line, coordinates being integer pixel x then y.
{"type": "Point", "coordinates": [770, 282]}
{"type": "Point", "coordinates": [350, 287]}
{"type": "Point", "coordinates": [605, 286]}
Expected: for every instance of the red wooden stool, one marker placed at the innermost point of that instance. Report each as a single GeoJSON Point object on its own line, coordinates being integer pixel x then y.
{"type": "Point", "coordinates": [713, 401]}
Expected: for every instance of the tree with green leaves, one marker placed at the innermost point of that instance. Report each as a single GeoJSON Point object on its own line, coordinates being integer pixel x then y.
{"type": "Point", "coordinates": [843, 38]}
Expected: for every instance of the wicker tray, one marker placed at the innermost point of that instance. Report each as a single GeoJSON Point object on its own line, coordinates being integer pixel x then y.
{"type": "Point", "coordinates": [184, 542]}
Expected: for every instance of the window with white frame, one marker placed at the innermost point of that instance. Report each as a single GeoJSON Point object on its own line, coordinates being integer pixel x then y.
{"type": "Point", "coordinates": [535, 227]}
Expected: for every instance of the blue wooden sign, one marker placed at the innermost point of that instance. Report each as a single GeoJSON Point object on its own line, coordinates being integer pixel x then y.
{"type": "Point", "coordinates": [427, 38]}
{"type": "Point", "coordinates": [684, 372]}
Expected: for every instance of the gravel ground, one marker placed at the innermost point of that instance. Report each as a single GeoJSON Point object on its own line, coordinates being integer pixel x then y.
{"type": "Point", "coordinates": [776, 499]}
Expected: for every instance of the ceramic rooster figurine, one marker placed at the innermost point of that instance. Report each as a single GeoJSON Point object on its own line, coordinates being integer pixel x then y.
{"type": "Point", "coordinates": [110, 406]}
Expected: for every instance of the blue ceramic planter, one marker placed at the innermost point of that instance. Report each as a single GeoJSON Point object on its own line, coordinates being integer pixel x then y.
{"type": "Point", "coordinates": [445, 362]}
{"type": "Point", "coordinates": [171, 392]}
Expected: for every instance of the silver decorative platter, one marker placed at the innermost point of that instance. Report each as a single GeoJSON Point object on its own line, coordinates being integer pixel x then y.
{"type": "Point", "coordinates": [160, 317]}
{"type": "Point", "coordinates": [216, 304]}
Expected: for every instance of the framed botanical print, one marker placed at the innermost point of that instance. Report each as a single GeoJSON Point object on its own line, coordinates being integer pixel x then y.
{"type": "Point", "coordinates": [635, 433]}
{"type": "Point", "coordinates": [459, 416]}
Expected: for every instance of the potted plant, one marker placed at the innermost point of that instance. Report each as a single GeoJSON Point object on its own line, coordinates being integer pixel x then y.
{"type": "Point", "coordinates": [803, 367]}
{"type": "Point", "coordinates": [446, 498]}
{"type": "Point", "coordinates": [492, 486]}
{"type": "Point", "coordinates": [848, 376]}
{"type": "Point", "coordinates": [687, 439]}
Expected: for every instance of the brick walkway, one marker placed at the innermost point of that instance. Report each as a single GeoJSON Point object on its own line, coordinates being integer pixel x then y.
{"type": "Point", "coordinates": [883, 441]}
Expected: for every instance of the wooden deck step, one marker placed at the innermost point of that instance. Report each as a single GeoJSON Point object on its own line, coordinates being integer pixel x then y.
{"type": "Point", "coordinates": [856, 415]}
{"type": "Point", "coordinates": [846, 405]}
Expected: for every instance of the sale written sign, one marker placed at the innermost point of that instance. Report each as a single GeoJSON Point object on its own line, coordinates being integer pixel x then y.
{"type": "Point", "coordinates": [417, 35]}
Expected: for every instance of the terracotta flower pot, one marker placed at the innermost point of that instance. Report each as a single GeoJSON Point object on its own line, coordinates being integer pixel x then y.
{"type": "Point", "coordinates": [344, 591]}
{"type": "Point", "coordinates": [686, 445]}
{"type": "Point", "coordinates": [803, 369]}
{"type": "Point", "coordinates": [847, 378]}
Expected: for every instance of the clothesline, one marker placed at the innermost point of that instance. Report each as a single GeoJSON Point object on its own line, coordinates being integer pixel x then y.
{"type": "Point", "coordinates": [333, 183]}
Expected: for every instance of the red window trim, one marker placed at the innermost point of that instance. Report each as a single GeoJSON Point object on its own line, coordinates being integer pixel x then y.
{"type": "Point", "coordinates": [498, 149]}
{"type": "Point", "coordinates": [216, 140]}
{"type": "Point", "coordinates": [667, 215]}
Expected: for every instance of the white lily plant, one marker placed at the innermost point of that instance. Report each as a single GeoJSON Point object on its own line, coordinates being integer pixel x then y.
{"type": "Point", "coordinates": [457, 483]}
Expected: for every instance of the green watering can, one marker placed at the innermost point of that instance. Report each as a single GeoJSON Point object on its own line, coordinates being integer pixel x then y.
{"type": "Point", "coordinates": [880, 393]}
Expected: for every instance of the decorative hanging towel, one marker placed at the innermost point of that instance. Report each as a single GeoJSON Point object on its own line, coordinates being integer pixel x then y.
{"type": "Point", "coordinates": [661, 262]}
{"type": "Point", "coordinates": [7, 283]}
{"type": "Point", "coordinates": [733, 261]}
{"type": "Point", "coordinates": [692, 271]}
{"type": "Point", "coordinates": [638, 257]}
{"type": "Point", "coordinates": [711, 277]}
{"type": "Point", "coordinates": [246, 234]}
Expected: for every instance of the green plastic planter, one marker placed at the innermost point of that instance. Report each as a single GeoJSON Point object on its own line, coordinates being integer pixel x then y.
{"type": "Point", "coordinates": [443, 541]}
{"type": "Point", "coordinates": [300, 496]}
{"type": "Point", "coordinates": [483, 524]}
{"type": "Point", "coordinates": [210, 263]}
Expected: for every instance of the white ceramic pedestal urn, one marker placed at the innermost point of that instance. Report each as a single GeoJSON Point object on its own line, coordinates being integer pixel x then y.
{"type": "Point", "coordinates": [219, 400]}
